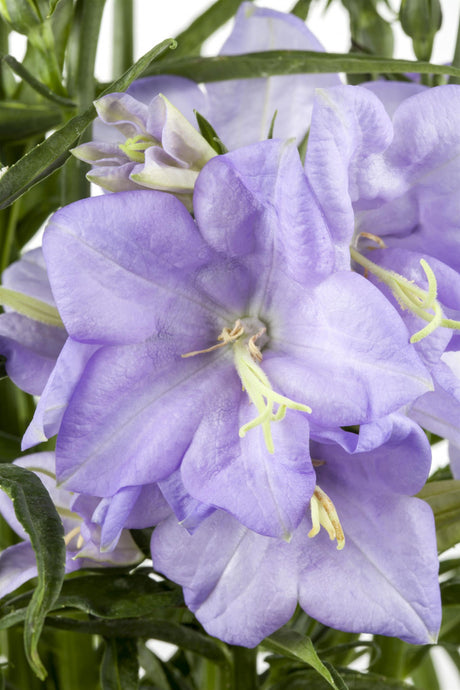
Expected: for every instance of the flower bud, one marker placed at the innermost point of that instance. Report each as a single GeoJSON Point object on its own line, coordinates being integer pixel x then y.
{"type": "Point", "coordinates": [421, 19]}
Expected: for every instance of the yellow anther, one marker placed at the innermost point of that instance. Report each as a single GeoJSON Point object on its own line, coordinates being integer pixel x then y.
{"type": "Point", "coordinates": [323, 513]}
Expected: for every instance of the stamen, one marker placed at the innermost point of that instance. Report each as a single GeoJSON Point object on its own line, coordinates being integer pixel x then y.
{"type": "Point", "coordinates": [375, 238]}
{"type": "Point", "coordinates": [73, 533]}
{"type": "Point", "coordinates": [227, 336]}
{"type": "Point", "coordinates": [247, 356]}
{"type": "Point", "coordinates": [411, 296]}
{"type": "Point", "coordinates": [323, 513]}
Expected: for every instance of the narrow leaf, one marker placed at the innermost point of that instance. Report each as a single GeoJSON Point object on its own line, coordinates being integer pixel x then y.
{"type": "Point", "coordinates": [35, 511]}
{"type": "Point", "coordinates": [277, 62]}
{"type": "Point", "coordinates": [42, 160]}
{"type": "Point", "coordinates": [37, 85]}
{"type": "Point", "coordinates": [209, 133]}
{"type": "Point", "coordinates": [444, 499]}
{"type": "Point", "coordinates": [297, 647]}
{"type": "Point", "coordinates": [20, 121]}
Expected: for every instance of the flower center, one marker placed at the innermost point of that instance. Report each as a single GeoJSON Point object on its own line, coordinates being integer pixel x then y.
{"type": "Point", "coordinates": [135, 147]}
{"type": "Point", "coordinates": [323, 513]}
{"type": "Point", "coordinates": [247, 356]}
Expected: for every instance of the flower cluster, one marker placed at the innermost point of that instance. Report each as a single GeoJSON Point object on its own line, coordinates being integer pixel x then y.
{"type": "Point", "coordinates": [253, 379]}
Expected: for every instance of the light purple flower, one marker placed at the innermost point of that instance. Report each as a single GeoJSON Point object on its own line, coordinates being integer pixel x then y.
{"type": "Point", "coordinates": [141, 140]}
{"type": "Point", "coordinates": [387, 189]}
{"type": "Point", "coordinates": [82, 535]}
{"type": "Point", "coordinates": [243, 586]}
{"type": "Point", "coordinates": [134, 275]}
{"type": "Point", "coordinates": [30, 347]}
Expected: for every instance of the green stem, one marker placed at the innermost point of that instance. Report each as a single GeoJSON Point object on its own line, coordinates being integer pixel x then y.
{"type": "Point", "coordinates": [456, 58]}
{"type": "Point", "coordinates": [8, 239]}
{"type": "Point", "coordinates": [82, 56]}
{"type": "Point", "coordinates": [123, 41]}
{"type": "Point", "coordinates": [391, 661]}
{"type": "Point", "coordinates": [244, 668]}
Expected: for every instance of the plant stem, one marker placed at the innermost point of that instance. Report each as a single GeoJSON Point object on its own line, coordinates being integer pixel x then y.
{"type": "Point", "coordinates": [391, 661]}
{"type": "Point", "coordinates": [123, 41]}
{"type": "Point", "coordinates": [244, 665]}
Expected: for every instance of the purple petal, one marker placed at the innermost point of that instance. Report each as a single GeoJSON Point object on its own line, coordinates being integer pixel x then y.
{"type": "Point", "coordinates": [31, 350]}
{"type": "Point", "coordinates": [256, 204]}
{"type": "Point", "coordinates": [393, 93]}
{"type": "Point", "coordinates": [241, 110]}
{"type": "Point", "coordinates": [240, 585]}
{"type": "Point", "coordinates": [273, 489]}
{"type": "Point", "coordinates": [385, 580]}
{"type": "Point", "coordinates": [337, 357]}
{"type": "Point", "coordinates": [133, 250]}
{"type": "Point", "coordinates": [17, 565]}
{"type": "Point", "coordinates": [57, 392]}
{"type": "Point", "coordinates": [125, 112]}
{"type": "Point", "coordinates": [349, 131]}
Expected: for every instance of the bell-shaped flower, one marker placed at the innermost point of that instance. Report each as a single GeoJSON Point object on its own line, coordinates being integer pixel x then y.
{"type": "Point", "coordinates": [81, 535]}
{"type": "Point", "coordinates": [142, 140]}
{"type": "Point", "coordinates": [387, 188]}
{"type": "Point", "coordinates": [382, 578]}
{"type": "Point", "coordinates": [194, 319]}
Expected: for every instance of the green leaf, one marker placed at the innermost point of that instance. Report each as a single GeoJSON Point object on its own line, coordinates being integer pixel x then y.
{"type": "Point", "coordinates": [444, 499]}
{"type": "Point", "coordinates": [120, 669]}
{"type": "Point", "coordinates": [42, 160]}
{"type": "Point", "coordinates": [35, 511]}
{"type": "Point", "coordinates": [19, 121]}
{"type": "Point", "coordinates": [292, 645]}
{"type": "Point", "coordinates": [277, 62]}
{"type": "Point", "coordinates": [301, 9]}
{"type": "Point", "coordinates": [37, 85]}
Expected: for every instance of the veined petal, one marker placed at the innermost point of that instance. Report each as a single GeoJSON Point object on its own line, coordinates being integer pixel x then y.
{"type": "Point", "coordinates": [274, 490]}
{"type": "Point", "coordinates": [240, 585]}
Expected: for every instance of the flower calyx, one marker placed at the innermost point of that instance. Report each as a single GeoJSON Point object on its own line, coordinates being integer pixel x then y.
{"type": "Point", "coordinates": [247, 357]}
{"type": "Point", "coordinates": [323, 513]}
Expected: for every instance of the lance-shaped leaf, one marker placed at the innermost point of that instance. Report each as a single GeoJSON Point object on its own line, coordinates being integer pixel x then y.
{"type": "Point", "coordinates": [444, 499]}
{"type": "Point", "coordinates": [42, 160]}
{"type": "Point", "coordinates": [264, 64]}
{"type": "Point", "coordinates": [37, 514]}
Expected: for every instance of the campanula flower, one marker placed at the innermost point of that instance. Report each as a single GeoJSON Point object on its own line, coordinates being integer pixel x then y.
{"type": "Point", "coordinates": [195, 319]}
{"type": "Point", "coordinates": [363, 559]}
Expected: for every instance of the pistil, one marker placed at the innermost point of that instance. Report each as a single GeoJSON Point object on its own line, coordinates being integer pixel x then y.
{"type": "Point", "coordinates": [422, 303]}
{"type": "Point", "coordinates": [135, 147]}
{"type": "Point", "coordinates": [247, 356]}
{"type": "Point", "coordinates": [323, 513]}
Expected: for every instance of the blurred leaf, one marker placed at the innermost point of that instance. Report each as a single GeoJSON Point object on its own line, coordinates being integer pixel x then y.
{"type": "Point", "coordinates": [277, 62]}
{"type": "Point", "coordinates": [19, 121]}
{"type": "Point", "coordinates": [306, 680]}
{"type": "Point", "coordinates": [21, 15]}
{"type": "Point", "coordinates": [10, 446]}
{"type": "Point", "coordinates": [35, 511]}
{"type": "Point", "coordinates": [37, 85]}
{"type": "Point", "coordinates": [301, 9]}
{"type": "Point", "coordinates": [119, 668]}
{"type": "Point", "coordinates": [298, 648]}
{"type": "Point", "coordinates": [42, 160]}
{"type": "Point", "coordinates": [444, 499]}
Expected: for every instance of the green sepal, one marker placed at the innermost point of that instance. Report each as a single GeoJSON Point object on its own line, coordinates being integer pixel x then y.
{"type": "Point", "coordinates": [35, 511]}
{"type": "Point", "coordinates": [120, 668]}
{"type": "Point", "coordinates": [52, 153]}
{"type": "Point", "coordinates": [297, 647]}
{"type": "Point", "coordinates": [444, 499]}
{"type": "Point", "coordinates": [209, 133]}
